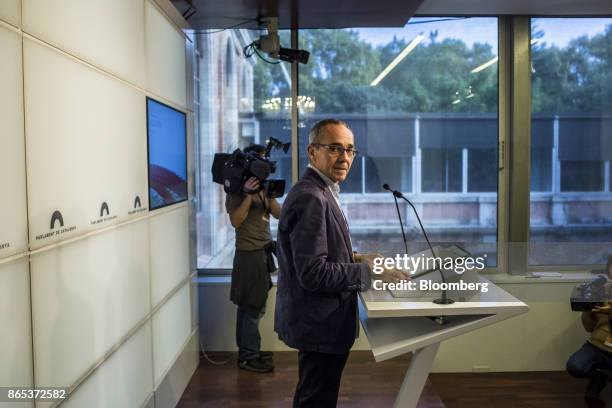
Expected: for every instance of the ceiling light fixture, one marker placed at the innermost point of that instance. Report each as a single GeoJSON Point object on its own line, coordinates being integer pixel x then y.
{"type": "Point", "coordinates": [485, 65]}
{"type": "Point", "coordinates": [494, 60]}
{"type": "Point", "coordinates": [398, 59]}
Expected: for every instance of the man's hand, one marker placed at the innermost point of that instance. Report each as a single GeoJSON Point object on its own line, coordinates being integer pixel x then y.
{"type": "Point", "coordinates": [390, 275]}
{"type": "Point", "coordinates": [393, 275]}
{"type": "Point", "coordinates": [251, 186]}
{"type": "Point", "coordinates": [605, 308]}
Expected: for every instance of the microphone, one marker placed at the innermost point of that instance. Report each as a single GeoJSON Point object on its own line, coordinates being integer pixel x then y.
{"type": "Point", "coordinates": [444, 300]}
{"type": "Point", "coordinates": [396, 195]}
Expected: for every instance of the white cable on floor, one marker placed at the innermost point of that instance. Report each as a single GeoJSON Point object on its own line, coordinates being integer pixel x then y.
{"type": "Point", "coordinates": [211, 361]}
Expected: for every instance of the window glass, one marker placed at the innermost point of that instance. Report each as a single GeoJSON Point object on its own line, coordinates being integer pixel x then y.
{"type": "Point", "coordinates": [482, 170]}
{"type": "Point", "coordinates": [421, 101]}
{"type": "Point", "coordinates": [571, 141]}
{"type": "Point", "coordinates": [241, 101]}
{"type": "Point", "coordinates": [441, 170]}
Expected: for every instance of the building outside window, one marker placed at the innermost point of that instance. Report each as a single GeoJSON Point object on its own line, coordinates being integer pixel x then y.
{"type": "Point", "coordinates": [571, 141]}
{"type": "Point", "coordinates": [422, 103]}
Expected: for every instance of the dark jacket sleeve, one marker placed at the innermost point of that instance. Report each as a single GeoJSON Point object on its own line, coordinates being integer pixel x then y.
{"type": "Point", "coordinates": [309, 248]}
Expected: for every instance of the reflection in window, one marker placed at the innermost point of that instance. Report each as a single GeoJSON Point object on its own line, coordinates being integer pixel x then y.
{"type": "Point", "coordinates": [441, 169]}
{"type": "Point", "coordinates": [541, 169]}
{"type": "Point", "coordinates": [582, 175]}
{"type": "Point", "coordinates": [571, 141]}
{"type": "Point", "coordinates": [426, 126]}
{"type": "Point", "coordinates": [482, 170]}
{"type": "Point", "coordinates": [233, 113]}
{"type": "Point", "coordinates": [396, 171]}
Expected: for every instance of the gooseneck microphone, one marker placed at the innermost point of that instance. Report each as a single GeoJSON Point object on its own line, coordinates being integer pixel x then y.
{"type": "Point", "coordinates": [444, 300]}
{"type": "Point", "coordinates": [386, 187]}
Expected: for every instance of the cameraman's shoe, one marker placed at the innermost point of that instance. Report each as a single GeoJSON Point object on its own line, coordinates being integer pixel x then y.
{"type": "Point", "coordinates": [257, 365]}
{"type": "Point", "coordinates": [266, 355]}
{"type": "Point", "coordinates": [595, 386]}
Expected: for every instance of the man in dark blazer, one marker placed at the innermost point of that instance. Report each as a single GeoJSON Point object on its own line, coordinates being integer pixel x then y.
{"type": "Point", "coordinates": [319, 275]}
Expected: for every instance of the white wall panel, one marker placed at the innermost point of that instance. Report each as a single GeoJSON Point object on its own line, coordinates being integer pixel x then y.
{"type": "Point", "coordinates": [165, 56]}
{"type": "Point", "coordinates": [15, 336]}
{"type": "Point", "coordinates": [169, 252]}
{"type": "Point", "coordinates": [171, 328]}
{"type": "Point", "coordinates": [13, 217]}
{"type": "Point", "coordinates": [106, 33]}
{"type": "Point", "coordinates": [86, 296]}
{"type": "Point", "coordinates": [125, 380]}
{"type": "Point", "coordinates": [10, 11]}
{"type": "Point", "coordinates": [86, 145]}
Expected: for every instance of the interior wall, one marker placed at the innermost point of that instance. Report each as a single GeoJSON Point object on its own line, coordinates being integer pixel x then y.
{"type": "Point", "coordinates": [539, 340]}
{"type": "Point", "coordinates": [97, 301]}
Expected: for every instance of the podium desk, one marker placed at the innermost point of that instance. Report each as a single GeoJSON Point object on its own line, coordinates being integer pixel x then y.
{"type": "Point", "coordinates": [396, 326]}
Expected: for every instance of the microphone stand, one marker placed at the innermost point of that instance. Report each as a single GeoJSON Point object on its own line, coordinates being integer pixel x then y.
{"type": "Point", "coordinates": [401, 223]}
{"type": "Point", "coordinates": [444, 300]}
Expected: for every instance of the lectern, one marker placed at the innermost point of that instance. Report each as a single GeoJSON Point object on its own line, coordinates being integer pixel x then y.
{"type": "Point", "coordinates": [396, 326]}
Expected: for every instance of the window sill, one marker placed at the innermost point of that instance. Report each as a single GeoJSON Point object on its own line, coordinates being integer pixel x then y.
{"type": "Point", "coordinates": [566, 277]}
{"type": "Point", "coordinates": [221, 280]}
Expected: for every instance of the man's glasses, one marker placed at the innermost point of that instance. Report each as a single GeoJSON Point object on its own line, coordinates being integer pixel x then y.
{"type": "Point", "coordinates": [336, 150]}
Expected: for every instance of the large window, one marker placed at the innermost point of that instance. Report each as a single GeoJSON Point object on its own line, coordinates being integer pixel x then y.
{"type": "Point", "coordinates": [241, 101]}
{"type": "Point", "coordinates": [571, 141]}
{"type": "Point", "coordinates": [422, 103]}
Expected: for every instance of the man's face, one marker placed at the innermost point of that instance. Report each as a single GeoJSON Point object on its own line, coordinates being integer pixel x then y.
{"type": "Point", "coordinates": [334, 166]}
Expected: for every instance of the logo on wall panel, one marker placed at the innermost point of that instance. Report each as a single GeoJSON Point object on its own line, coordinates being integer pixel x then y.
{"type": "Point", "coordinates": [5, 245]}
{"type": "Point", "coordinates": [103, 209]}
{"type": "Point", "coordinates": [57, 216]}
{"type": "Point", "coordinates": [56, 225]}
{"type": "Point", "coordinates": [137, 206]}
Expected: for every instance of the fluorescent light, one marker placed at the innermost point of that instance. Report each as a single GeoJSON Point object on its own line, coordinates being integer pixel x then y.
{"type": "Point", "coordinates": [398, 59]}
{"type": "Point", "coordinates": [485, 65]}
{"type": "Point", "coordinates": [494, 60]}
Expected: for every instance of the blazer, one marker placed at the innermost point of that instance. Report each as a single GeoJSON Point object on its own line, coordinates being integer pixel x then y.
{"type": "Point", "coordinates": [318, 280]}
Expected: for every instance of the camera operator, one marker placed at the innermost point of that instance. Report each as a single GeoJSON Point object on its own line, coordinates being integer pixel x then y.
{"type": "Point", "coordinates": [596, 353]}
{"type": "Point", "coordinates": [249, 214]}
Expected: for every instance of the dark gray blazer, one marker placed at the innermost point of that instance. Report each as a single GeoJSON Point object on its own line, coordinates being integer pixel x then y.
{"type": "Point", "coordinates": [316, 298]}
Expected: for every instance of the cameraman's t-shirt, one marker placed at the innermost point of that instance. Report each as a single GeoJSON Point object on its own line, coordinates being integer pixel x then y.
{"type": "Point", "coordinates": [254, 233]}
{"type": "Point", "coordinates": [598, 323]}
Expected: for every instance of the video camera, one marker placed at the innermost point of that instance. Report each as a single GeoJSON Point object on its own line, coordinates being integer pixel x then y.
{"type": "Point", "coordinates": [233, 170]}
{"type": "Point", "coordinates": [591, 294]}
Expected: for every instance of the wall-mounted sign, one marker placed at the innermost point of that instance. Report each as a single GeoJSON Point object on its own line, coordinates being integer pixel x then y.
{"type": "Point", "coordinates": [104, 210]}
{"type": "Point", "coordinates": [56, 227]}
{"type": "Point", "coordinates": [137, 206]}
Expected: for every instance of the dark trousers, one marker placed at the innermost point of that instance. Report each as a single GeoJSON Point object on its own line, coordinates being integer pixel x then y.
{"type": "Point", "coordinates": [585, 362]}
{"type": "Point", "coordinates": [248, 338]}
{"type": "Point", "coordinates": [319, 380]}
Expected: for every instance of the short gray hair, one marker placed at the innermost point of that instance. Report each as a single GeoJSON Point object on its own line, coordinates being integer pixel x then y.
{"type": "Point", "coordinates": [316, 133]}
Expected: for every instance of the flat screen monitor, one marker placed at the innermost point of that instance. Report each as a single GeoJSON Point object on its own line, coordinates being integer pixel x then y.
{"type": "Point", "coordinates": [167, 144]}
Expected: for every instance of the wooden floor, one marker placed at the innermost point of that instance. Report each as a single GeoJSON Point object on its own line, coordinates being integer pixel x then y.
{"type": "Point", "coordinates": [366, 383]}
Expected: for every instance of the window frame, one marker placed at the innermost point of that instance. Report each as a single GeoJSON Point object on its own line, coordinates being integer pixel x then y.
{"type": "Point", "coordinates": [556, 177]}
{"type": "Point", "coordinates": [513, 149]}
